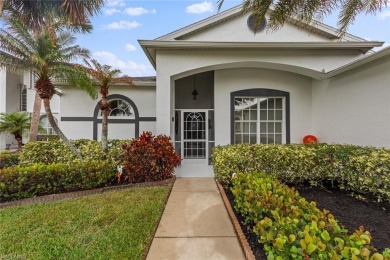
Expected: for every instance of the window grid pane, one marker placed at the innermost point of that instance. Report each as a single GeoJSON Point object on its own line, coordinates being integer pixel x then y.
{"type": "Point", "coordinates": [245, 117]}
{"type": "Point", "coordinates": [258, 119]}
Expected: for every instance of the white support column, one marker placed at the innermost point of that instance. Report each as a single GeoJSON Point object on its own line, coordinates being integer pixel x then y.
{"type": "Point", "coordinates": [163, 104]}
{"type": "Point", "coordinates": [3, 98]}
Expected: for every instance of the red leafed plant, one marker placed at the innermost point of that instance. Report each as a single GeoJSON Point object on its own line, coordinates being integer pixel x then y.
{"type": "Point", "coordinates": [149, 158]}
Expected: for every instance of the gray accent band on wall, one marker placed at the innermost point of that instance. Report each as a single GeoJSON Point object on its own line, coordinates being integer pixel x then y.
{"type": "Point", "coordinates": [260, 92]}
{"type": "Point", "coordinates": [97, 120]}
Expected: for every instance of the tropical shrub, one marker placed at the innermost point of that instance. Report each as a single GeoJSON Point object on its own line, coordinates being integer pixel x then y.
{"type": "Point", "coordinates": [291, 227]}
{"type": "Point", "coordinates": [42, 179]}
{"type": "Point", "coordinates": [357, 169]}
{"type": "Point", "coordinates": [150, 158]}
{"type": "Point", "coordinates": [55, 151]}
{"type": "Point", "coordinates": [8, 159]}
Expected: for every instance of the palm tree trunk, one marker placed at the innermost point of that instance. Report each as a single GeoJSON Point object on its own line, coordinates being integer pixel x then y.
{"type": "Point", "coordinates": [35, 118]}
{"type": "Point", "coordinates": [105, 130]}
{"type": "Point", "coordinates": [19, 139]}
{"type": "Point", "coordinates": [46, 103]}
{"type": "Point", "coordinates": [1, 7]}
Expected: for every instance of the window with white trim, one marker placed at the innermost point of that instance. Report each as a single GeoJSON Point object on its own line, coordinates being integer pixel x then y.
{"type": "Point", "coordinates": [44, 121]}
{"type": "Point", "coordinates": [120, 108]}
{"type": "Point", "coordinates": [259, 120]}
{"type": "Point", "coordinates": [23, 98]}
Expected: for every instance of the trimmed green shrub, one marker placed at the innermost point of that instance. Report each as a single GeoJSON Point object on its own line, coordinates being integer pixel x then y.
{"type": "Point", "coordinates": [8, 159]}
{"type": "Point", "coordinates": [55, 151]}
{"type": "Point", "coordinates": [41, 179]}
{"type": "Point", "coordinates": [358, 169]}
{"type": "Point", "coordinates": [292, 228]}
{"type": "Point", "coordinates": [150, 158]}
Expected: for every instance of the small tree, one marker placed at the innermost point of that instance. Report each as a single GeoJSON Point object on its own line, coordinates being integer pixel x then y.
{"type": "Point", "coordinates": [17, 124]}
{"type": "Point", "coordinates": [104, 77]}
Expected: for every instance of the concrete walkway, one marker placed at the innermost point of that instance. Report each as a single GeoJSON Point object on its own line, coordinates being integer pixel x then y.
{"type": "Point", "coordinates": [195, 224]}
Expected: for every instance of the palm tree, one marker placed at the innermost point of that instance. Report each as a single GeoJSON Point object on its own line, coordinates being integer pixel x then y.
{"type": "Point", "coordinates": [36, 52]}
{"type": "Point", "coordinates": [35, 14]}
{"type": "Point", "coordinates": [70, 14]}
{"type": "Point", "coordinates": [305, 10]}
{"type": "Point", "coordinates": [17, 124]}
{"type": "Point", "coordinates": [104, 77]}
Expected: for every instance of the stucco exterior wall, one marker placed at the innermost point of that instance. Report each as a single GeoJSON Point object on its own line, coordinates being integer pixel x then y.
{"type": "Point", "coordinates": [236, 30]}
{"type": "Point", "coordinates": [176, 64]}
{"type": "Point", "coordinates": [354, 107]}
{"type": "Point", "coordinates": [77, 112]}
{"type": "Point", "coordinates": [229, 80]}
{"type": "Point", "coordinates": [10, 93]}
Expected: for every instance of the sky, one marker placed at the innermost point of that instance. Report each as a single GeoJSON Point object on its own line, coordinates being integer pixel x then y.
{"type": "Point", "coordinates": [122, 22]}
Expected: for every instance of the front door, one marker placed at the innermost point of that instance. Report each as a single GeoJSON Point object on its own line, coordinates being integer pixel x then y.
{"type": "Point", "coordinates": [194, 145]}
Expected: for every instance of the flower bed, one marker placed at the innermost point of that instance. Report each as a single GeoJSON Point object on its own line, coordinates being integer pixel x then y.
{"type": "Point", "coordinates": [292, 228]}
{"type": "Point", "coordinates": [361, 170]}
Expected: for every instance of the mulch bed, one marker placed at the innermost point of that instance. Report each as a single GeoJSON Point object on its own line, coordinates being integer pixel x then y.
{"type": "Point", "coordinates": [349, 211]}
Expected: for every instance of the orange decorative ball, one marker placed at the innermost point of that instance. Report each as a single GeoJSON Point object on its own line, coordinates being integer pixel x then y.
{"type": "Point", "coordinates": [310, 139]}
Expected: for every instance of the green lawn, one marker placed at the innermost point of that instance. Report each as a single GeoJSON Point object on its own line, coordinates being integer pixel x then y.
{"type": "Point", "coordinates": [114, 225]}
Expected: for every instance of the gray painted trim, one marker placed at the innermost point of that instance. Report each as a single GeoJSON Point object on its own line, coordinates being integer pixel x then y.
{"type": "Point", "coordinates": [260, 92]}
{"type": "Point", "coordinates": [147, 119]}
{"type": "Point", "coordinates": [79, 119]}
{"type": "Point", "coordinates": [97, 120]}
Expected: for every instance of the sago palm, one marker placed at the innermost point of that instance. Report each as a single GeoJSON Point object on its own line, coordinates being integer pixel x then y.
{"type": "Point", "coordinates": [36, 52]}
{"type": "Point", "coordinates": [16, 124]}
{"type": "Point", "coordinates": [104, 77]}
{"type": "Point", "coordinates": [307, 10]}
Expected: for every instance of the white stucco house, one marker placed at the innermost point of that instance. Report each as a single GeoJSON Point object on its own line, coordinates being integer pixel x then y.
{"type": "Point", "coordinates": [217, 82]}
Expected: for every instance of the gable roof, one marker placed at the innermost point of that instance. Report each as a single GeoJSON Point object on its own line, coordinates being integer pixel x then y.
{"type": "Point", "coordinates": [315, 27]}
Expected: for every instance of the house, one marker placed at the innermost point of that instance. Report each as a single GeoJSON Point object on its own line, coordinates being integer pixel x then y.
{"type": "Point", "coordinates": [217, 82]}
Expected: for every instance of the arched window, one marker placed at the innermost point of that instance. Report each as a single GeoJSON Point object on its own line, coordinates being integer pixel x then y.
{"type": "Point", "coordinates": [120, 108]}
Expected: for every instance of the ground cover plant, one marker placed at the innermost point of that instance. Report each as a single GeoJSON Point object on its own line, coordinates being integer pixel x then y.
{"type": "Point", "coordinates": [104, 226]}
{"type": "Point", "coordinates": [292, 228]}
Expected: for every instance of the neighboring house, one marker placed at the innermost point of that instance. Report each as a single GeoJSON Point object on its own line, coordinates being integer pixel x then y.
{"type": "Point", "coordinates": [17, 95]}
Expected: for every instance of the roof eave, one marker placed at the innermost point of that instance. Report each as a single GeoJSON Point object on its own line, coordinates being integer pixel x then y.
{"type": "Point", "coordinates": [355, 64]}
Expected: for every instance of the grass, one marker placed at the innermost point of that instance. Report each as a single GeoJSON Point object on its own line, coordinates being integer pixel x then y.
{"type": "Point", "coordinates": [114, 225]}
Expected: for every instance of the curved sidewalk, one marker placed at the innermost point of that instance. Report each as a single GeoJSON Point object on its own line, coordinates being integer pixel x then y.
{"type": "Point", "coordinates": [195, 224]}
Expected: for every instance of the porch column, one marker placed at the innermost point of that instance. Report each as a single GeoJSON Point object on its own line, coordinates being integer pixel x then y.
{"type": "Point", "coordinates": [3, 99]}
{"type": "Point", "coordinates": [163, 104]}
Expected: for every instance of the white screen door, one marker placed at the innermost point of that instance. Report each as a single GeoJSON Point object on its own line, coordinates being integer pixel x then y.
{"type": "Point", "coordinates": [195, 136]}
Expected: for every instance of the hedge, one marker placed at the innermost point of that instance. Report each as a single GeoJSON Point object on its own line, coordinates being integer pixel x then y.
{"type": "Point", "coordinates": [55, 151]}
{"type": "Point", "coordinates": [41, 179]}
{"type": "Point", "coordinates": [8, 159]}
{"type": "Point", "coordinates": [292, 228]}
{"type": "Point", "coordinates": [364, 170]}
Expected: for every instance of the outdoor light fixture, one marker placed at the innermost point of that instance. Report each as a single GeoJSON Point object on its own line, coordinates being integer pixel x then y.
{"type": "Point", "coordinates": [195, 92]}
